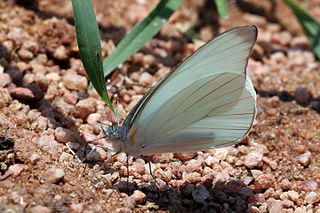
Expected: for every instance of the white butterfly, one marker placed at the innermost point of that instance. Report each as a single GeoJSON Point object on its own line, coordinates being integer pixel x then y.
{"type": "Point", "coordinates": [206, 102]}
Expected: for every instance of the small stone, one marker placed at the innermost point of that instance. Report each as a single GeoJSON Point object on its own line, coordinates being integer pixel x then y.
{"type": "Point", "coordinates": [62, 135]}
{"type": "Point", "coordinates": [302, 95]}
{"type": "Point", "coordinates": [60, 53]}
{"type": "Point", "coordinates": [304, 159]}
{"type": "Point", "coordinates": [274, 206]}
{"type": "Point", "coordinates": [148, 60]}
{"type": "Point", "coordinates": [146, 79]}
{"type": "Point", "coordinates": [309, 186]}
{"type": "Point", "coordinates": [300, 210]}
{"type": "Point", "coordinates": [234, 186]}
{"type": "Point", "coordinates": [315, 104]}
{"type": "Point", "coordinates": [15, 74]}
{"type": "Point", "coordinates": [293, 195]}
{"type": "Point", "coordinates": [70, 98]}
{"type": "Point", "coordinates": [253, 159]}
{"type": "Point", "coordinates": [53, 77]}
{"type": "Point", "coordinates": [93, 118]}
{"type": "Point", "coordinates": [39, 209]}
{"type": "Point", "coordinates": [84, 108]}
{"type": "Point", "coordinates": [16, 169]}
{"type": "Point", "coordinates": [185, 156]}
{"type": "Point", "coordinates": [47, 143]}
{"type": "Point", "coordinates": [187, 191]}
{"type": "Point", "coordinates": [200, 194]}
{"type": "Point", "coordinates": [25, 54]}
{"type": "Point", "coordinates": [54, 175]}
{"type": "Point", "coordinates": [285, 184]}
{"type": "Point", "coordinates": [77, 207]}
{"type": "Point", "coordinates": [269, 193]}
{"type": "Point", "coordinates": [5, 80]}
{"type": "Point", "coordinates": [134, 101]}
{"type": "Point", "coordinates": [75, 81]}
{"type": "Point", "coordinates": [138, 196]}
{"type": "Point", "coordinates": [22, 93]}
{"type": "Point", "coordinates": [127, 98]}
{"type": "Point", "coordinates": [311, 198]}
{"type": "Point", "coordinates": [271, 112]}
{"type": "Point", "coordinates": [264, 181]}
{"type": "Point", "coordinates": [34, 158]}
{"type": "Point", "coordinates": [221, 153]}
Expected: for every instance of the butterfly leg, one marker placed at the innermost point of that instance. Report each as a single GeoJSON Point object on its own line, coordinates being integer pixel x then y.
{"type": "Point", "coordinates": [127, 171]}
{"type": "Point", "coordinates": [109, 158]}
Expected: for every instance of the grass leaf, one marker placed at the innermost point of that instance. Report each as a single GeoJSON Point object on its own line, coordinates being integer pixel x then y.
{"type": "Point", "coordinates": [141, 33]}
{"type": "Point", "coordinates": [309, 24]}
{"type": "Point", "coordinates": [88, 38]}
{"type": "Point", "coordinates": [222, 7]}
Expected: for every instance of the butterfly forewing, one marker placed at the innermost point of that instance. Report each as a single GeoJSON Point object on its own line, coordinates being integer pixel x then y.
{"type": "Point", "coordinates": [208, 101]}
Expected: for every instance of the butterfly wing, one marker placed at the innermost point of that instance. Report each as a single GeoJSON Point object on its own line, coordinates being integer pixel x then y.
{"type": "Point", "coordinates": [206, 102]}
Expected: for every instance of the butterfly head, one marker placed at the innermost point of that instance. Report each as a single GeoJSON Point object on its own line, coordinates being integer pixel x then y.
{"type": "Point", "coordinates": [116, 134]}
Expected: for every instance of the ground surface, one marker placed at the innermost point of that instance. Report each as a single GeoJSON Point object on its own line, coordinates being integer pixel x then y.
{"type": "Point", "coordinates": [47, 115]}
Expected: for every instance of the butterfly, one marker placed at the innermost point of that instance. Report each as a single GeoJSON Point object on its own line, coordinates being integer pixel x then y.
{"type": "Point", "coordinates": [207, 101]}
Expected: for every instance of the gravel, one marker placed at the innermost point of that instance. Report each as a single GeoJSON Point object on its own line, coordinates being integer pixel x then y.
{"type": "Point", "coordinates": [47, 111]}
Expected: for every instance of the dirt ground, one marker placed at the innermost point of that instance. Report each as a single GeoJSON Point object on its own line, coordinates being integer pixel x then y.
{"type": "Point", "coordinates": [47, 114]}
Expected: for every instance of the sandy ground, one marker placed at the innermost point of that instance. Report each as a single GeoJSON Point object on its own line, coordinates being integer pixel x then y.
{"type": "Point", "coordinates": [47, 115]}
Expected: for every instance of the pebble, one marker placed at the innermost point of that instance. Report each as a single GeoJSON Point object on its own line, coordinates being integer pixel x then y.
{"type": "Point", "coordinates": [311, 198]}
{"type": "Point", "coordinates": [34, 158]}
{"type": "Point", "coordinates": [235, 186]}
{"type": "Point", "coordinates": [293, 195]}
{"type": "Point", "coordinates": [309, 186]}
{"type": "Point", "coordinates": [70, 97]}
{"type": "Point", "coordinates": [271, 112]}
{"type": "Point", "coordinates": [60, 53]}
{"type": "Point", "coordinates": [54, 175]}
{"type": "Point", "coordinates": [16, 169]}
{"type": "Point", "coordinates": [187, 191]}
{"type": "Point", "coordinates": [200, 193]}
{"type": "Point", "coordinates": [84, 108]}
{"type": "Point", "coordinates": [302, 95]}
{"type": "Point", "coordinates": [53, 77]}
{"type": "Point", "coordinates": [135, 100]}
{"type": "Point", "coordinates": [47, 143]}
{"type": "Point", "coordinates": [304, 159]}
{"type": "Point", "coordinates": [75, 81]}
{"type": "Point", "coordinates": [138, 196]}
{"type": "Point", "coordinates": [77, 207]}
{"type": "Point", "coordinates": [253, 159]}
{"type": "Point", "coordinates": [274, 206]}
{"type": "Point", "coordinates": [15, 74]}
{"type": "Point", "coordinates": [40, 209]}
{"type": "Point", "coordinates": [185, 156]}
{"type": "Point", "coordinates": [315, 104]}
{"type": "Point", "coordinates": [285, 184]}
{"type": "Point", "coordinates": [264, 181]}
{"type": "Point", "coordinates": [22, 93]}
{"type": "Point", "coordinates": [25, 54]}
{"type": "Point", "coordinates": [148, 60]}
{"type": "Point", "coordinates": [62, 135]}
{"type": "Point", "coordinates": [221, 153]}
{"type": "Point", "coordinates": [5, 79]}
{"type": "Point", "coordinates": [93, 118]}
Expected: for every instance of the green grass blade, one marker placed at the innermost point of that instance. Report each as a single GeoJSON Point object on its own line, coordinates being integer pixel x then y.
{"type": "Point", "coordinates": [141, 33]}
{"type": "Point", "coordinates": [309, 24]}
{"type": "Point", "coordinates": [222, 7]}
{"type": "Point", "coordinates": [88, 38]}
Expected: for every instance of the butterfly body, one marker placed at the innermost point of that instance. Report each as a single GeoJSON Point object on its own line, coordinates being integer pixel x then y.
{"type": "Point", "coordinates": [207, 101]}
